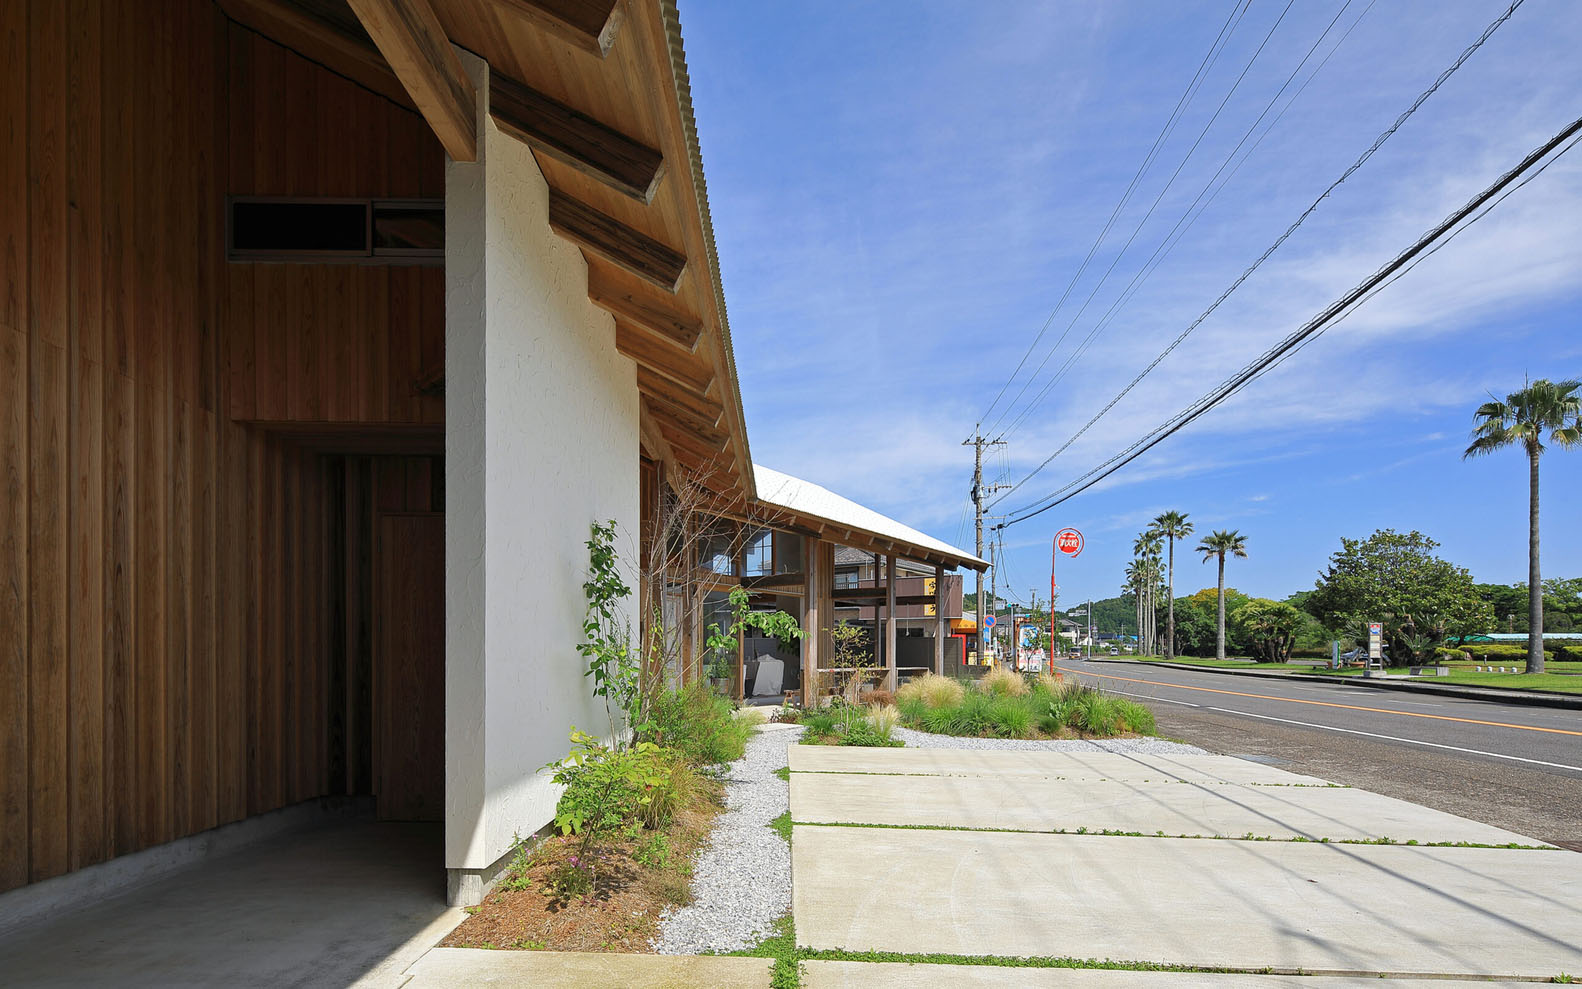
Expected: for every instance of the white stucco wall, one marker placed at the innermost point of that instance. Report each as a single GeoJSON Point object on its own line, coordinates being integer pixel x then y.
{"type": "Point", "coordinates": [541, 440]}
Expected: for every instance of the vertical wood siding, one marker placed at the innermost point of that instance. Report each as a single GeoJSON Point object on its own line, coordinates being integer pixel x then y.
{"type": "Point", "coordinates": [170, 653]}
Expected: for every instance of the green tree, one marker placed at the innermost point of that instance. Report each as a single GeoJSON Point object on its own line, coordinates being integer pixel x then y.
{"type": "Point", "coordinates": [1397, 580]}
{"type": "Point", "coordinates": [1171, 526]}
{"type": "Point", "coordinates": [1220, 544]}
{"type": "Point", "coordinates": [1523, 419]}
{"type": "Point", "coordinates": [1509, 604]}
{"type": "Point", "coordinates": [1271, 627]}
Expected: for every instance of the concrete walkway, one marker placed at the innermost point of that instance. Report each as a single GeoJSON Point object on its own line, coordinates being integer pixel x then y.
{"type": "Point", "coordinates": [893, 975]}
{"type": "Point", "coordinates": [1341, 909]}
{"type": "Point", "coordinates": [348, 904]}
{"type": "Point", "coordinates": [462, 968]}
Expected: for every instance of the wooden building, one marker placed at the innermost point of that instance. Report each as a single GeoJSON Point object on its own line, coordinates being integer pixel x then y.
{"type": "Point", "coordinates": [326, 329]}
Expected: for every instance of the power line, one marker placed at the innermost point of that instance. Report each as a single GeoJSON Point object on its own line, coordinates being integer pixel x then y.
{"type": "Point", "coordinates": [1333, 313]}
{"type": "Point", "coordinates": [1238, 9]}
{"type": "Point", "coordinates": [1279, 241]}
{"type": "Point", "coordinates": [1188, 217]}
{"type": "Point", "coordinates": [1149, 214]}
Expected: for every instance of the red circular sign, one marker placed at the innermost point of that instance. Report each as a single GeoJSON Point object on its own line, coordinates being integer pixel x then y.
{"type": "Point", "coordinates": [1068, 542]}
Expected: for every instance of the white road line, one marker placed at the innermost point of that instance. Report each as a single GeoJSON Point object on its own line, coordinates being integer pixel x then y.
{"type": "Point", "coordinates": [1395, 738]}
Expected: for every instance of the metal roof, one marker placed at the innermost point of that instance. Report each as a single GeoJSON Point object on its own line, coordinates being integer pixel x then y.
{"type": "Point", "coordinates": [807, 499]}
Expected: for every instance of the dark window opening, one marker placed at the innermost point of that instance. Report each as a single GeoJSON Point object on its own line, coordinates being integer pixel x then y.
{"type": "Point", "coordinates": [365, 231]}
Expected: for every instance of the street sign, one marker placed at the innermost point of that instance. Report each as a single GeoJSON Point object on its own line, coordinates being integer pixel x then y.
{"type": "Point", "coordinates": [1375, 637]}
{"type": "Point", "coordinates": [989, 621]}
{"type": "Point", "coordinates": [1068, 542]}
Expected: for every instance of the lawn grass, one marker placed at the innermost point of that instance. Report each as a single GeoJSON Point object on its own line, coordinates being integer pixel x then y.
{"type": "Point", "coordinates": [1561, 677]}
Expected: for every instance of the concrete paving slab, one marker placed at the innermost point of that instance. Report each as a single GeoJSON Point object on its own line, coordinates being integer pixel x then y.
{"type": "Point", "coordinates": [894, 975]}
{"type": "Point", "coordinates": [460, 968]}
{"type": "Point", "coordinates": [1324, 908]}
{"type": "Point", "coordinates": [1175, 808]}
{"type": "Point", "coordinates": [1034, 765]}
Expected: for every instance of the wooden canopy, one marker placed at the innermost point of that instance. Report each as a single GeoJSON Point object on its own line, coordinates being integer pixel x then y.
{"type": "Point", "coordinates": [599, 90]}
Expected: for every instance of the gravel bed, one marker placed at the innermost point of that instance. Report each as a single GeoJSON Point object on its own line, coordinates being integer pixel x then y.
{"type": "Point", "coordinates": [741, 882]}
{"type": "Point", "coordinates": [1140, 746]}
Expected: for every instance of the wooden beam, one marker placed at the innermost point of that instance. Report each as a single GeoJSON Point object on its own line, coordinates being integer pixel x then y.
{"type": "Point", "coordinates": [640, 310]}
{"type": "Point", "coordinates": [662, 358]}
{"type": "Point", "coordinates": [342, 46]}
{"type": "Point", "coordinates": [666, 393]}
{"type": "Point", "coordinates": [411, 39]}
{"type": "Point", "coordinates": [571, 136]}
{"type": "Point", "coordinates": [615, 242]}
{"type": "Point", "coordinates": [589, 24]}
{"type": "Point", "coordinates": [709, 434]}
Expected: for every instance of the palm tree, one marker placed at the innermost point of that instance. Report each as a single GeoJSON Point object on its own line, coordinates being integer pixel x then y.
{"type": "Point", "coordinates": [1222, 543]}
{"type": "Point", "coordinates": [1146, 549]}
{"type": "Point", "coordinates": [1544, 406]}
{"type": "Point", "coordinates": [1171, 526]}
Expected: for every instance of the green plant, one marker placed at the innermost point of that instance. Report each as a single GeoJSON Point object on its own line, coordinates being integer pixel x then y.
{"type": "Point", "coordinates": [1220, 544]}
{"type": "Point", "coordinates": [606, 647]}
{"type": "Point", "coordinates": [1009, 718]}
{"type": "Point", "coordinates": [782, 826]}
{"type": "Point", "coordinates": [606, 790]}
{"type": "Point", "coordinates": [516, 878]}
{"type": "Point", "coordinates": [851, 659]}
{"type": "Point", "coordinates": [719, 642]}
{"type": "Point", "coordinates": [699, 724]}
{"type": "Point", "coordinates": [653, 851]}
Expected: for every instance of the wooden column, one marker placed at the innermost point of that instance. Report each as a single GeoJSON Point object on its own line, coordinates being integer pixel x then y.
{"type": "Point", "coordinates": [812, 617]}
{"type": "Point", "coordinates": [889, 624]}
{"type": "Point", "coordinates": [939, 619]}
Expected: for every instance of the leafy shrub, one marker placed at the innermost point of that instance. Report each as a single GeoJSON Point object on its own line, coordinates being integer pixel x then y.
{"type": "Point", "coordinates": [821, 722]}
{"type": "Point", "coordinates": [861, 731]}
{"type": "Point", "coordinates": [853, 725]}
{"type": "Point", "coordinates": [1096, 713]}
{"type": "Point", "coordinates": [699, 724]}
{"type": "Point", "coordinates": [933, 690]}
{"type": "Point", "coordinates": [1003, 682]}
{"type": "Point", "coordinates": [1136, 718]}
{"type": "Point", "coordinates": [606, 789]}
{"type": "Point", "coordinates": [681, 788]}
{"type": "Point", "coordinates": [1010, 718]}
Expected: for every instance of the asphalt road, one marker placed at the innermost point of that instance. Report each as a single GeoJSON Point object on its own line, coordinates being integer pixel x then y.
{"type": "Point", "coordinates": [1504, 764]}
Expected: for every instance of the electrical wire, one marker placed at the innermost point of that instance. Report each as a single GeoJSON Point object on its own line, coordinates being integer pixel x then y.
{"type": "Point", "coordinates": [1279, 241]}
{"type": "Point", "coordinates": [1238, 10]}
{"type": "Point", "coordinates": [1189, 216]}
{"type": "Point", "coordinates": [1427, 245]}
{"type": "Point", "coordinates": [1148, 215]}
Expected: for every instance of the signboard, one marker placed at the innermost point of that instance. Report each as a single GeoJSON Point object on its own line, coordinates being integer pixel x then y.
{"type": "Point", "coordinates": [1375, 640]}
{"type": "Point", "coordinates": [989, 621]}
{"type": "Point", "coordinates": [1068, 542]}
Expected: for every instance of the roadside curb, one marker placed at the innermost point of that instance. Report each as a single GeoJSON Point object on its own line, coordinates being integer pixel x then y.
{"type": "Point", "coordinates": [1525, 697]}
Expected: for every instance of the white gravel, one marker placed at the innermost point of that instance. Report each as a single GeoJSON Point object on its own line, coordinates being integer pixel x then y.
{"type": "Point", "coordinates": [1141, 746]}
{"type": "Point", "coordinates": [741, 882]}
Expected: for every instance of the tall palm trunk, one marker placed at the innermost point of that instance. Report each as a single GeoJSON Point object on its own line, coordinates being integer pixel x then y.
{"type": "Point", "coordinates": [1170, 605]}
{"type": "Point", "coordinates": [1535, 588]}
{"type": "Point", "coordinates": [1219, 641]}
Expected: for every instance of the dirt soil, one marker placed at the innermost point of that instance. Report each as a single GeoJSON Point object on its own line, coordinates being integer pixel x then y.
{"type": "Point", "coordinates": [620, 914]}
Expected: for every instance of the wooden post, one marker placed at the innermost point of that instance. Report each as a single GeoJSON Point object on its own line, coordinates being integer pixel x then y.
{"type": "Point", "coordinates": [939, 619]}
{"type": "Point", "coordinates": [891, 677]}
{"type": "Point", "coordinates": [812, 618]}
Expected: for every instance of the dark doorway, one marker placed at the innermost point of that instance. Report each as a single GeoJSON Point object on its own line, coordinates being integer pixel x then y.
{"type": "Point", "coordinates": [409, 666]}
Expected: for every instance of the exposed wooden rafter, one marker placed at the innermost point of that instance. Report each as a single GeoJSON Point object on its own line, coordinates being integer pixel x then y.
{"type": "Point", "coordinates": [640, 310]}
{"type": "Point", "coordinates": [662, 358]}
{"type": "Point", "coordinates": [412, 41]}
{"type": "Point", "coordinates": [589, 24]}
{"type": "Point", "coordinates": [713, 437]}
{"type": "Point", "coordinates": [323, 33]}
{"type": "Point", "coordinates": [667, 394]}
{"type": "Point", "coordinates": [615, 242]}
{"type": "Point", "coordinates": [569, 135]}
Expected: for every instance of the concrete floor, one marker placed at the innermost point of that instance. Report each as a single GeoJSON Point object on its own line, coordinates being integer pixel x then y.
{"type": "Point", "coordinates": [463, 968]}
{"type": "Point", "coordinates": [1002, 764]}
{"type": "Point", "coordinates": [349, 904]}
{"type": "Point", "coordinates": [894, 975]}
{"type": "Point", "coordinates": [1205, 810]}
{"type": "Point", "coordinates": [1338, 909]}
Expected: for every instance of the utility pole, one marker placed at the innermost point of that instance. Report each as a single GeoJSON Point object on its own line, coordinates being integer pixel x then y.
{"type": "Point", "coordinates": [977, 442]}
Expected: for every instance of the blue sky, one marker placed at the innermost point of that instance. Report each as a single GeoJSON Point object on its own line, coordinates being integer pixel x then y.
{"type": "Point", "coordinates": [901, 192]}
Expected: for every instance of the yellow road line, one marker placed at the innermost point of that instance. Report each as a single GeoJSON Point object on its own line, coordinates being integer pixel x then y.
{"type": "Point", "coordinates": [1349, 707]}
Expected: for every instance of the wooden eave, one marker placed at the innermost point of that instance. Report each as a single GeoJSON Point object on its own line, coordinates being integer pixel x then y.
{"type": "Point", "coordinates": [598, 89]}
